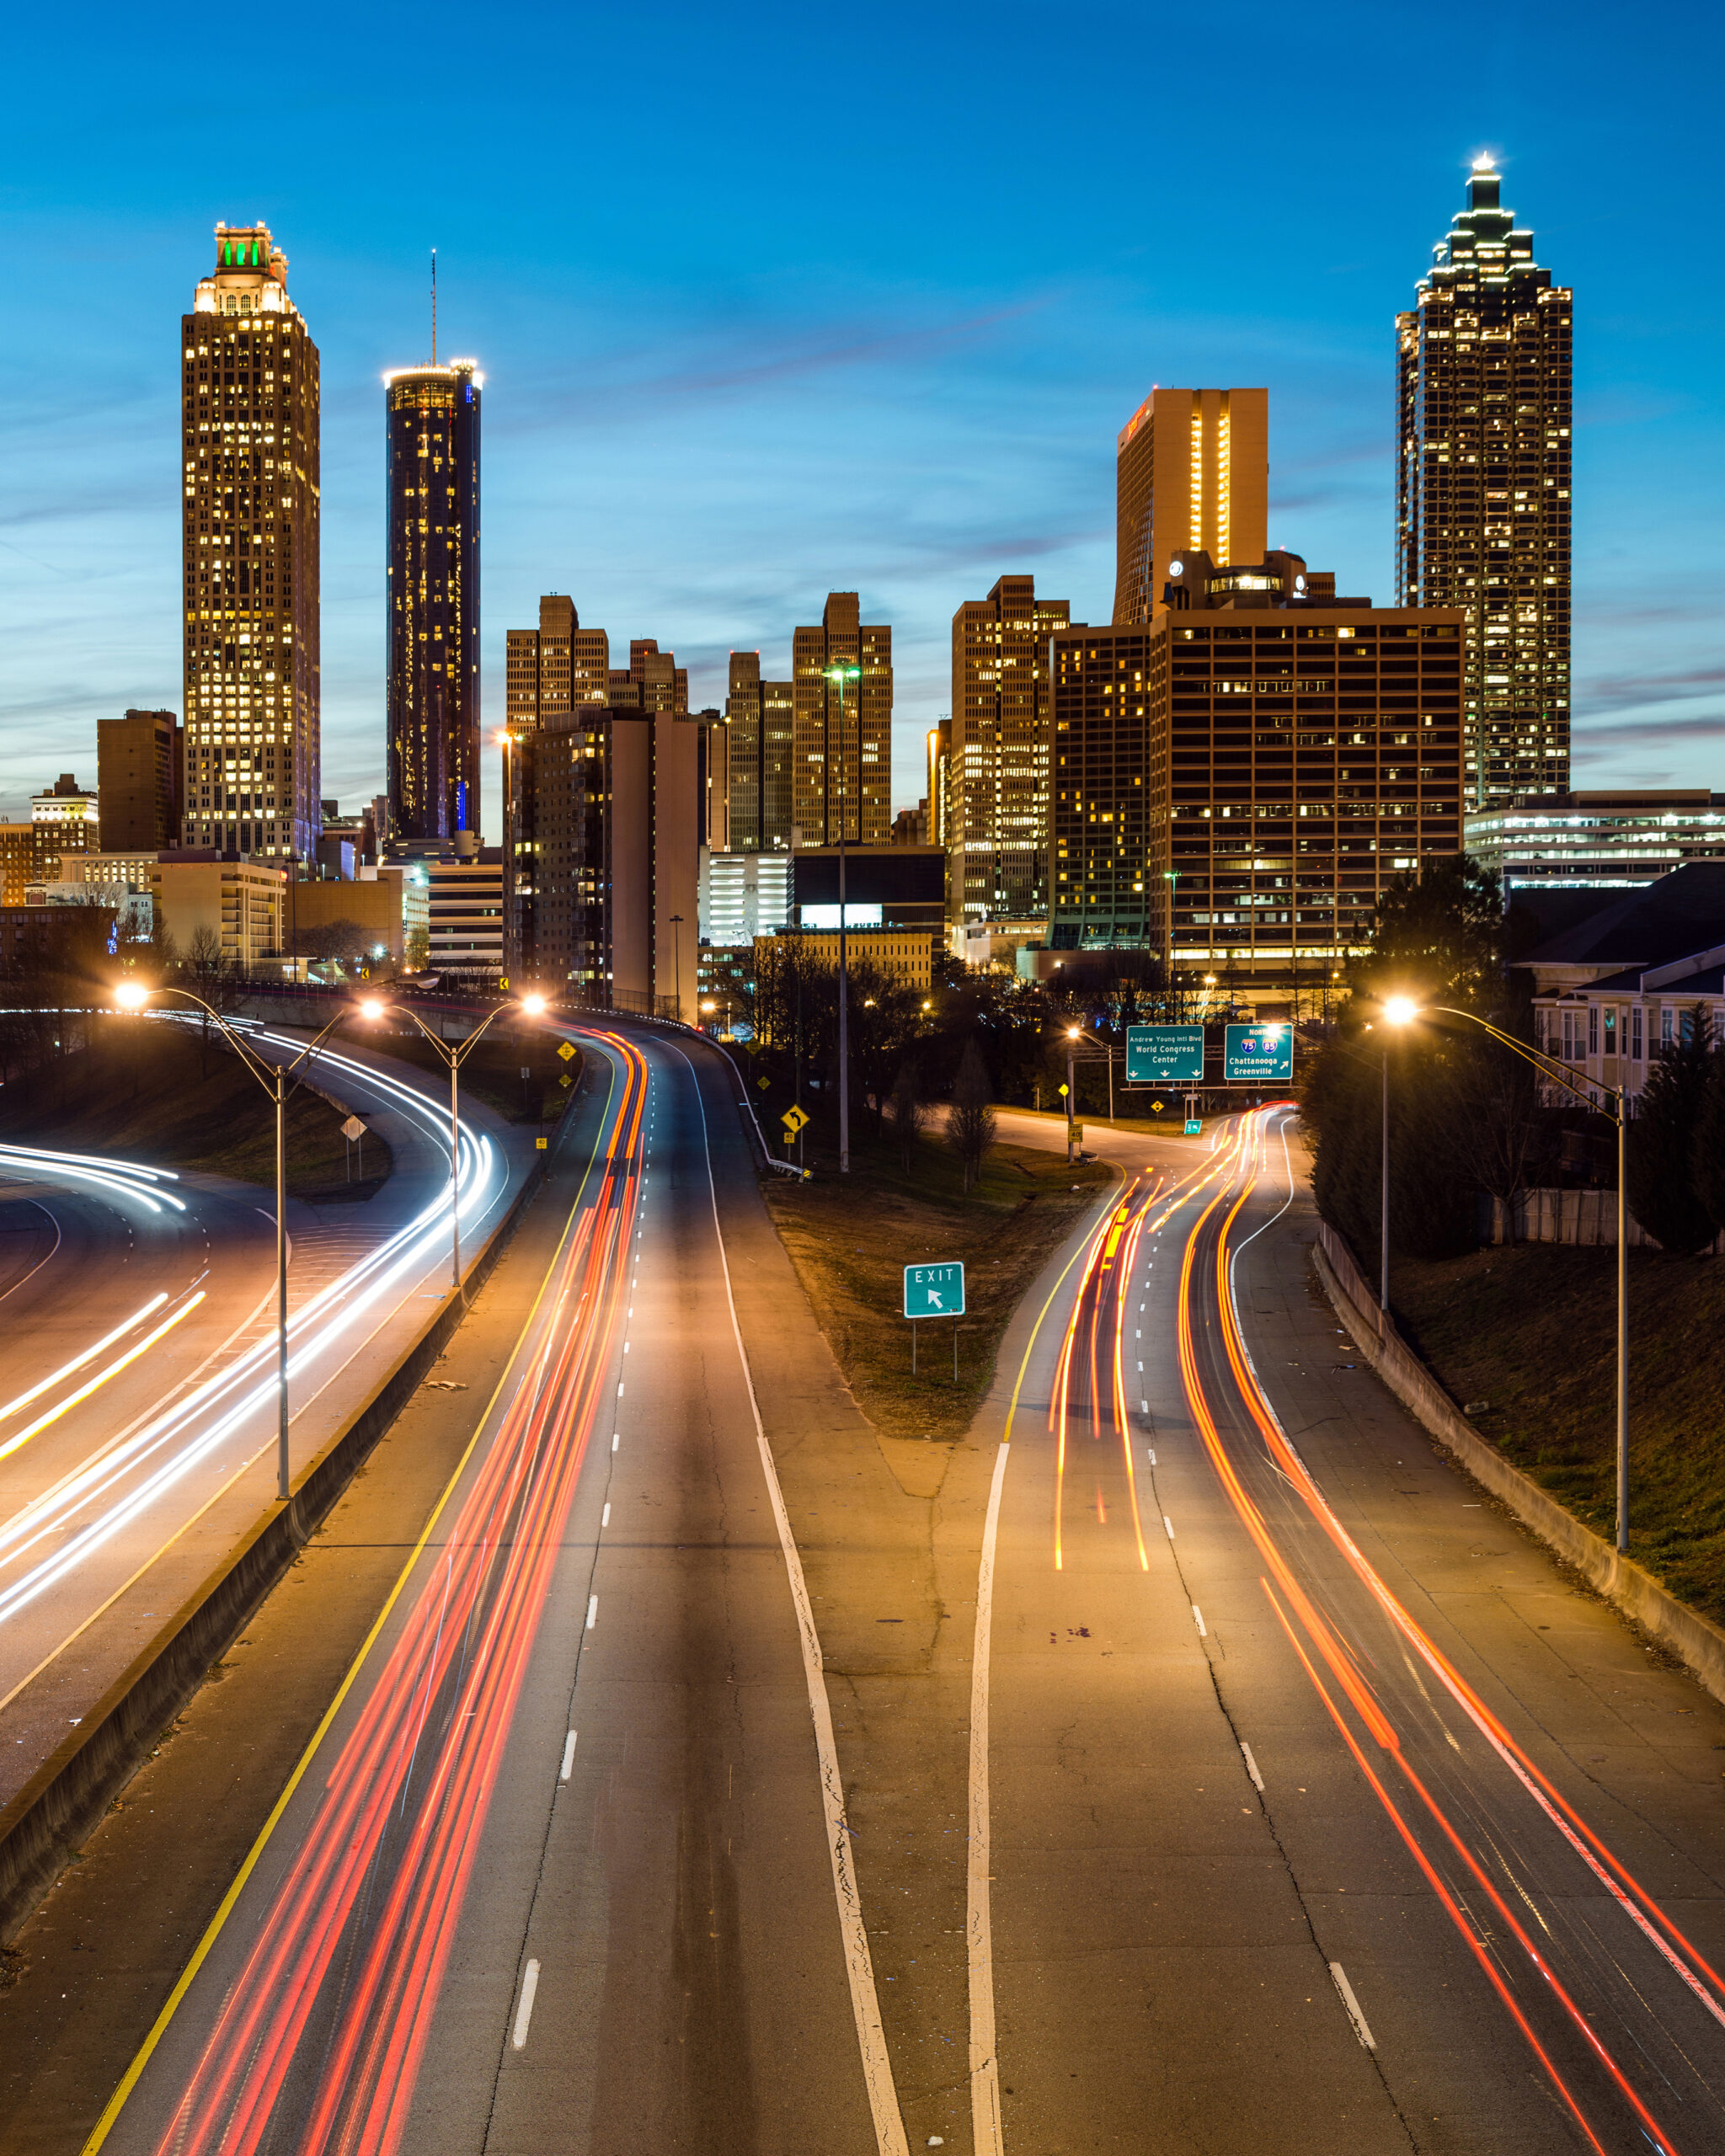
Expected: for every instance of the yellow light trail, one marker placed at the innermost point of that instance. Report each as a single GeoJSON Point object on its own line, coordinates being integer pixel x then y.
{"type": "Point", "coordinates": [101, 1378]}
{"type": "Point", "coordinates": [78, 1361]}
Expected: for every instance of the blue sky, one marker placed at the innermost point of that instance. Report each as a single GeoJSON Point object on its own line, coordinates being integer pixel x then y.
{"type": "Point", "coordinates": [774, 301]}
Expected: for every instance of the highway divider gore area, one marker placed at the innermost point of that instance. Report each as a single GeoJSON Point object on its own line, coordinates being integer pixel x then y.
{"type": "Point", "coordinates": [851, 1236]}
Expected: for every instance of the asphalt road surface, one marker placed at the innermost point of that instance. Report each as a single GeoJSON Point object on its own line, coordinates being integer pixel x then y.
{"type": "Point", "coordinates": [1193, 1761]}
{"type": "Point", "coordinates": [137, 1408]}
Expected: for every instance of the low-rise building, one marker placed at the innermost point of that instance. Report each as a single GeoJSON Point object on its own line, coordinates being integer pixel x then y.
{"type": "Point", "coordinates": [32, 935]}
{"type": "Point", "coordinates": [386, 910]}
{"type": "Point", "coordinates": [241, 903]}
{"type": "Point", "coordinates": [65, 821]}
{"type": "Point", "coordinates": [465, 898]}
{"type": "Point", "coordinates": [1602, 839]}
{"type": "Point", "coordinates": [743, 895]}
{"type": "Point", "coordinates": [17, 844]}
{"type": "Point", "coordinates": [904, 956]}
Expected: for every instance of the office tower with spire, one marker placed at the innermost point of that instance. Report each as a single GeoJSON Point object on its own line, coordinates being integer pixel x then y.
{"type": "Point", "coordinates": [432, 414]}
{"type": "Point", "coordinates": [841, 729]}
{"type": "Point", "coordinates": [997, 817]}
{"type": "Point", "coordinates": [1482, 488]}
{"type": "Point", "coordinates": [1192, 470]}
{"type": "Point", "coordinates": [249, 509]}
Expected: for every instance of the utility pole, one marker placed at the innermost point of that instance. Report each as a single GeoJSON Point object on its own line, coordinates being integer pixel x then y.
{"type": "Point", "coordinates": [841, 674]}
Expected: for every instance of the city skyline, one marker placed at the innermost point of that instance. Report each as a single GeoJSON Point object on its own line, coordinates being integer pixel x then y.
{"type": "Point", "coordinates": [779, 402]}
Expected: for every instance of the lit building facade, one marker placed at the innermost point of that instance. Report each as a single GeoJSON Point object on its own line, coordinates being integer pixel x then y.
{"type": "Point", "coordinates": [65, 821]}
{"type": "Point", "coordinates": [841, 749]}
{"type": "Point", "coordinates": [1237, 781]}
{"type": "Point", "coordinates": [1192, 470]}
{"type": "Point", "coordinates": [996, 824]}
{"type": "Point", "coordinates": [1606, 840]}
{"type": "Point", "coordinates": [1483, 488]}
{"type": "Point", "coordinates": [760, 727]}
{"type": "Point", "coordinates": [433, 597]}
{"type": "Point", "coordinates": [249, 407]}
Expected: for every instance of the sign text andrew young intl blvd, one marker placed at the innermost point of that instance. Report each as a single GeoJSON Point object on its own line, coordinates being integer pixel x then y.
{"type": "Point", "coordinates": [1164, 1055]}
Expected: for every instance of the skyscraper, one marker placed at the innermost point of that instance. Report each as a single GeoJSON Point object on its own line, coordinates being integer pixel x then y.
{"type": "Point", "coordinates": [759, 719]}
{"type": "Point", "coordinates": [997, 837]}
{"type": "Point", "coordinates": [433, 419]}
{"type": "Point", "coordinates": [842, 733]}
{"type": "Point", "coordinates": [1192, 470]}
{"type": "Point", "coordinates": [138, 761]}
{"type": "Point", "coordinates": [249, 426]}
{"type": "Point", "coordinates": [1483, 488]}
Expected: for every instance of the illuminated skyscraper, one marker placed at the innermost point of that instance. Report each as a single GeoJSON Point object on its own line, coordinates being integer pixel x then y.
{"type": "Point", "coordinates": [433, 416]}
{"type": "Point", "coordinates": [249, 403]}
{"type": "Point", "coordinates": [1192, 470]}
{"type": "Point", "coordinates": [997, 816]}
{"type": "Point", "coordinates": [841, 749]}
{"type": "Point", "coordinates": [1482, 488]}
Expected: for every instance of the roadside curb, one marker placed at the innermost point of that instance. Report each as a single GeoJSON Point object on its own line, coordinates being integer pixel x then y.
{"type": "Point", "coordinates": [66, 1798]}
{"type": "Point", "coordinates": [1696, 1640]}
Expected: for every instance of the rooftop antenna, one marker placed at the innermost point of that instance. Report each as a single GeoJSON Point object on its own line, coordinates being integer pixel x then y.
{"type": "Point", "coordinates": [434, 307]}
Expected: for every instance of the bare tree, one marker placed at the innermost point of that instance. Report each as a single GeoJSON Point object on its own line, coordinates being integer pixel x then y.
{"type": "Point", "coordinates": [970, 1123]}
{"type": "Point", "coordinates": [910, 1112]}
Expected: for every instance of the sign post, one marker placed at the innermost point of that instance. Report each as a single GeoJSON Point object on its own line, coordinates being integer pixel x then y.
{"type": "Point", "coordinates": [353, 1129]}
{"type": "Point", "coordinates": [934, 1291]}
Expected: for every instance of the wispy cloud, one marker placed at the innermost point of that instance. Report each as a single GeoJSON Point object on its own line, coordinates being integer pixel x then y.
{"type": "Point", "coordinates": [1613, 693]}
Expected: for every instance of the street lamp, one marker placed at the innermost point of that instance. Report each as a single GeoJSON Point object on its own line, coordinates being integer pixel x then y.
{"type": "Point", "coordinates": [273, 1077]}
{"type": "Point", "coordinates": [841, 674]}
{"type": "Point", "coordinates": [1551, 1068]}
{"type": "Point", "coordinates": [454, 1054]}
{"type": "Point", "coordinates": [1396, 1012]}
{"type": "Point", "coordinates": [1072, 1087]}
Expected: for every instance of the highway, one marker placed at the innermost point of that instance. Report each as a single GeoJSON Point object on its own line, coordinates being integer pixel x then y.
{"type": "Point", "coordinates": [1191, 1761]}
{"type": "Point", "coordinates": [137, 1428]}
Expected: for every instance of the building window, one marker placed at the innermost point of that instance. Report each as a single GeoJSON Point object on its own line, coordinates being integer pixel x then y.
{"type": "Point", "coordinates": [1592, 1029]}
{"type": "Point", "coordinates": [1634, 1034]}
{"type": "Point", "coordinates": [1611, 1031]}
{"type": "Point", "coordinates": [1665, 1028]}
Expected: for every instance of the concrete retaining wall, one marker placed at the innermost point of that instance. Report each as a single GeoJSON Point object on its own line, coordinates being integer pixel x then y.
{"type": "Point", "coordinates": [62, 1802]}
{"type": "Point", "coordinates": [1696, 1640]}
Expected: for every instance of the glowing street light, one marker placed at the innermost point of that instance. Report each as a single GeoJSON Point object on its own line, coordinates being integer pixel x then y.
{"type": "Point", "coordinates": [454, 1054]}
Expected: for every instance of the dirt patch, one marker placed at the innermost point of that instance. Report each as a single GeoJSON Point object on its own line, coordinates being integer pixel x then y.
{"type": "Point", "coordinates": [850, 1238]}
{"type": "Point", "coordinates": [1530, 1332]}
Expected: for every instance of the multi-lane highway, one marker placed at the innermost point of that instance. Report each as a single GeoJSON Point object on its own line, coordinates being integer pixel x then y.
{"type": "Point", "coordinates": [138, 1422]}
{"type": "Point", "coordinates": [1193, 1761]}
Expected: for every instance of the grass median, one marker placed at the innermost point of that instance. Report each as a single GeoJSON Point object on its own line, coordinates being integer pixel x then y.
{"type": "Point", "coordinates": [851, 1236]}
{"type": "Point", "coordinates": [1524, 1339]}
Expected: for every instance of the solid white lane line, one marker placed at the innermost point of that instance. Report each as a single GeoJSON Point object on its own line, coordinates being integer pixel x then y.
{"type": "Point", "coordinates": [568, 1757]}
{"type": "Point", "coordinates": [865, 2002]}
{"type": "Point", "coordinates": [985, 2064]}
{"type": "Point", "coordinates": [592, 1611]}
{"type": "Point", "coordinates": [1252, 1767]}
{"type": "Point", "coordinates": [1339, 1977]}
{"type": "Point", "coordinates": [524, 2012]}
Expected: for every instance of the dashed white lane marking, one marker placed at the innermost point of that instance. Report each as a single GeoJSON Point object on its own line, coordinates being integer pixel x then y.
{"type": "Point", "coordinates": [1197, 1619]}
{"type": "Point", "coordinates": [568, 1757]}
{"type": "Point", "coordinates": [592, 1611]}
{"type": "Point", "coordinates": [859, 1965]}
{"type": "Point", "coordinates": [1150, 1455]}
{"type": "Point", "coordinates": [1169, 1525]}
{"type": "Point", "coordinates": [617, 1439]}
{"type": "Point", "coordinates": [1252, 1767]}
{"type": "Point", "coordinates": [524, 2012]}
{"type": "Point", "coordinates": [1339, 1976]}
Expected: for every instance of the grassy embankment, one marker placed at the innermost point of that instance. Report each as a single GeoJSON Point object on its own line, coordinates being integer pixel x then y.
{"type": "Point", "coordinates": [850, 1237]}
{"type": "Point", "coordinates": [1531, 1331]}
{"type": "Point", "coordinates": [155, 1093]}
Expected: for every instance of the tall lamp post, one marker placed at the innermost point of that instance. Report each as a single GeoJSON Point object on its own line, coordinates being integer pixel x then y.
{"type": "Point", "coordinates": [506, 742]}
{"type": "Point", "coordinates": [1550, 1068]}
{"type": "Point", "coordinates": [454, 1054]}
{"type": "Point", "coordinates": [1072, 1087]}
{"type": "Point", "coordinates": [1396, 1012]}
{"type": "Point", "coordinates": [273, 1077]}
{"type": "Point", "coordinates": [676, 947]}
{"type": "Point", "coordinates": [841, 674]}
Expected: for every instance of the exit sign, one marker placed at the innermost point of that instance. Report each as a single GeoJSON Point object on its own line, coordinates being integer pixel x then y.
{"type": "Point", "coordinates": [934, 1291]}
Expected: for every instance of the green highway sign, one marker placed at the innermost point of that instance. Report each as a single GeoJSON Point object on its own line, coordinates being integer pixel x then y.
{"type": "Point", "coordinates": [1164, 1055]}
{"type": "Point", "coordinates": [1259, 1056]}
{"type": "Point", "coordinates": [934, 1291]}
{"type": "Point", "coordinates": [1194, 1126]}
